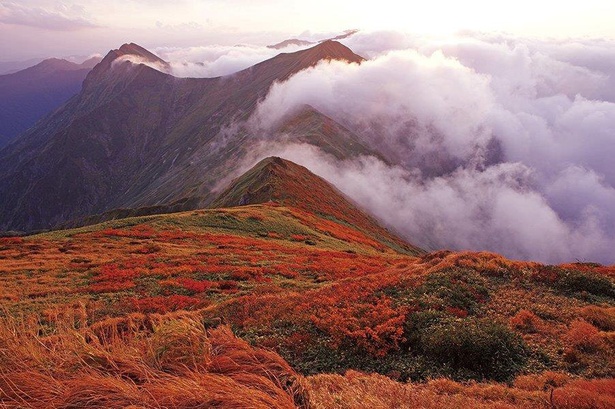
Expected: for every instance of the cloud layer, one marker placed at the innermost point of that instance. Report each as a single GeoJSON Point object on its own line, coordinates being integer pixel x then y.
{"type": "Point", "coordinates": [60, 18]}
{"type": "Point", "coordinates": [496, 143]}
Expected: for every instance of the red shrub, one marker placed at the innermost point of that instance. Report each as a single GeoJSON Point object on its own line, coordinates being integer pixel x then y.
{"type": "Point", "coordinates": [373, 325]}
{"type": "Point", "coordinates": [195, 286]}
{"type": "Point", "coordinates": [526, 321]}
{"type": "Point", "coordinates": [596, 394]}
{"type": "Point", "coordinates": [583, 336]}
{"type": "Point", "coordinates": [298, 237]}
{"type": "Point", "coordinates": [457, 312]}
{"type": "Point", "coordinates": [165, 304]}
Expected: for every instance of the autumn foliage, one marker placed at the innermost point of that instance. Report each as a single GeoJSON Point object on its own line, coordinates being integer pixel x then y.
{"type": "Point", "coordinates": [139, 312]}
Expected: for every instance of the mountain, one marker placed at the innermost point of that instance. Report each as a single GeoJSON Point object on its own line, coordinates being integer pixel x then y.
{"type": "Point", "coordinates": [10, 67]}
{"type": "Point", "coordinates": [137, 137]}
{"type": "Point", "coordinates": [289, 42]}
{"type": "Point", "coordinates": [28, 95]}
{"type": "Point", "coordinates": [281, 181]}
{"type": "Point", "coordinates": [345, 34]}
{"type": "Point", "coordinates": [304, 126]}
{"type": "Point", "coordinates": [307, 125]}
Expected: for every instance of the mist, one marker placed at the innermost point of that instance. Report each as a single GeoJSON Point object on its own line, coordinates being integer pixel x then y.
{"type": "Point", "coordinates": [493, 143]}
{"type": "Point", "coordinates": [216, 60]}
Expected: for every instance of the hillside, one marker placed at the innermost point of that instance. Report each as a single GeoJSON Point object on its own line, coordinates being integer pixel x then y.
{"type": "Point", "coordinates": [28, 95]}
{"type": "Point", "coordinates": [137, 137]}
{"type": "Point", "coordinates": [286, 183]}
{"type": "Point", "coordinates": [279, 278]}
{"type": "Point", "coordinates": [151, 258]}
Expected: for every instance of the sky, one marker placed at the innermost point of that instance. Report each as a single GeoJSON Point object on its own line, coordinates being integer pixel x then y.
{"type": "Point", "coordinates": [45, 28]}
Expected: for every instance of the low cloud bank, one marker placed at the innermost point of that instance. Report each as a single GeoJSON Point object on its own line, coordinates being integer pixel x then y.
{"type": "Point", "coordinates": [496, 143]}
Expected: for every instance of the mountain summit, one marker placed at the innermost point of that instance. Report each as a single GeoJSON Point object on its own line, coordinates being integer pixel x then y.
{"type": "Point", "coordinates": [118, 63]}
{"type": "Point", "coordinates": [133, 50]}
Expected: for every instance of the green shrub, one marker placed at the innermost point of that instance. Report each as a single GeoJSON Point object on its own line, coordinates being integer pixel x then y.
{"type": "Point", "coordinates": [474, 348]}
{"type": "Point", "coordinates": [464, 289]}
{"type": "Point", "coordinates": [417, 322]}
{"type": "Point", "coordinates": [574, 281]}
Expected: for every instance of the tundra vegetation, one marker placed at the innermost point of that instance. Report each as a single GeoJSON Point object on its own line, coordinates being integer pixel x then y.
{"type": "Point", "coordinates": [274, 306]}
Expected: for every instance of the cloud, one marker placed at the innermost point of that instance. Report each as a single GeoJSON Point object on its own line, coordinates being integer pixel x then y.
{"type": "Point", "coordinates": [415, 108]}
{"type": "Point", "coordinates": [218, 60]}
{"type": "Point", "coordinates": [215, 60]}
{"type": "Point", "coordinates": [136, 60]}
{"type": "Point", "coordinates": [490, 210]}
{"type": "Point", "coordinates": [495, 143]}
{"type": "Point", "coordinates": [62, 18]}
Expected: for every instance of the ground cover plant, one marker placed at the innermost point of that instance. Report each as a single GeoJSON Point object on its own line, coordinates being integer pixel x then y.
{"type": "Point", "coordinates": [342, 317]}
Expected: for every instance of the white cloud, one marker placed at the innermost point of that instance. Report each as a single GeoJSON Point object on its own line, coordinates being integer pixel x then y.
{"type": "Point", "coordinates": [216, 60]}
{"type": "Point", "coordinates": [498, 143]}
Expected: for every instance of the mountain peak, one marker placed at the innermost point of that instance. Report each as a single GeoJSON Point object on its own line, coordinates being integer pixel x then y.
{"type": "Point", "coordinates": [138, 51]}
{"type": "Point", "coordinates": [290, 42]}
{"type": "Point", "coordinates": [331, 50]}
{"type": "Point", "coordinates": [274, 179]}
{"type": "Point", "coordinates": [283, 65]}
{"type": "Point", "coordinates": [129, 52]}
{"type": "Point", "coordinates": [52, 65]}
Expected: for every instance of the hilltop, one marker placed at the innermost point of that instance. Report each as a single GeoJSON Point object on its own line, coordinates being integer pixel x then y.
{"type": "Point", "coordinates": [286, 183]}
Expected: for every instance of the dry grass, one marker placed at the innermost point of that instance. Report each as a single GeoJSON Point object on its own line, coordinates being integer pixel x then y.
{"type": "Point", "coordinates": [357, 390]}
{"type": "Point", "coordinates": [145, 361]}
{"type": "Point", "coordinates": [174, 361]}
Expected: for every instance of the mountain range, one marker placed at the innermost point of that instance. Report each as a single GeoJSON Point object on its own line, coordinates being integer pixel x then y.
{"type": "Point", "coordinates": [181, 269]}
{"type": "Point", "coordinates": [298, 42]}
{"type": "Point", "coordinates": [137, 137]}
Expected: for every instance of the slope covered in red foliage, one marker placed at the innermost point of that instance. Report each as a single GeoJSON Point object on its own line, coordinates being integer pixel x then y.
{"type": "Point", "coordinates": [311, 296]}
{"type": "Point", "coordinates": [281, 181]}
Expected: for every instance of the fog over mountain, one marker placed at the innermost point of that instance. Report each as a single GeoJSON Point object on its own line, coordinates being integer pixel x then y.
{"type": "Point", "coordinates": [496, 143]}
{"type": "Point", "coordinates": [482, 141]}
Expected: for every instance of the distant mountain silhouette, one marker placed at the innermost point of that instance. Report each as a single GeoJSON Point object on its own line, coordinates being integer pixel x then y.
{"type": "Point", "coordinates": [28, 95]}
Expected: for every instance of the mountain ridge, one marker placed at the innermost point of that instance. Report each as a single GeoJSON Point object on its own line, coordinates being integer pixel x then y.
{"type": "Point", "coordinates": [137, 137]}
{"type": "Point", "coordinates": [278, 180]}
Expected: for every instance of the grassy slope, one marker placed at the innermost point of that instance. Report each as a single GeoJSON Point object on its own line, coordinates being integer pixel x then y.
{"type": "Point", "coordinates": [282, 181]}
{"type": "Point", "coordinates": [327, 300]}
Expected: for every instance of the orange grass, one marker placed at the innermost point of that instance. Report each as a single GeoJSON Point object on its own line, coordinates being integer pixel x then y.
{"type": "Point", "coordinates": [148, 361]}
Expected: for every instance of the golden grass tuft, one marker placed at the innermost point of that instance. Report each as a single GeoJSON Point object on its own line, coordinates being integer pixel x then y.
{"type": "Point", "coordinates": [601, 317]}
{"type": "Point", "coordinates": [141, 362]}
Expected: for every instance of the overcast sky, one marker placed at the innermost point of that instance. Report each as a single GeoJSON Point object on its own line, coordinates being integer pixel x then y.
{"type": "Point", "coordinates": [43, 28]}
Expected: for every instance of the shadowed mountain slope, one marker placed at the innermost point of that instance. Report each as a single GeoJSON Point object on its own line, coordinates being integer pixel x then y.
{"type": "Point", "coordinates": [28, 95]}
{"type": "Point", "coordinates": [311, 126]}
{"type": "Point", "coordinates": [137, 137]}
